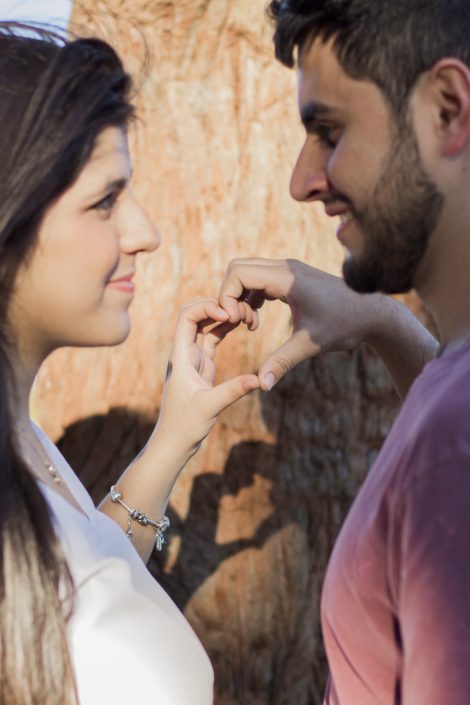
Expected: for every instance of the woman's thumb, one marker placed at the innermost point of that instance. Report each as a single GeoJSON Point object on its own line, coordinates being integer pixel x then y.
{"type": "Point", "coordinates": [227, 393]}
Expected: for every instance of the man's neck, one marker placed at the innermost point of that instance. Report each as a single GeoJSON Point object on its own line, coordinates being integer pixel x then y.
{"type": "Point", "coordinates": [443, 281]}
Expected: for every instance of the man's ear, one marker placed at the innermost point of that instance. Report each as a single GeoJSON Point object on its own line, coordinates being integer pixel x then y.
{"type": "Point", "coordinates": [449, 81]}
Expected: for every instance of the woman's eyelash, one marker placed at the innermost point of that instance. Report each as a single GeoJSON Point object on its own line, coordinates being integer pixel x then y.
{"type": "Point", "coordinates": [107, 202]}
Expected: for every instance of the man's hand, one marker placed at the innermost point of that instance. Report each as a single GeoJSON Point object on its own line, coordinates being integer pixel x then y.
{"type": "Point", "coordinates": [326, 316]}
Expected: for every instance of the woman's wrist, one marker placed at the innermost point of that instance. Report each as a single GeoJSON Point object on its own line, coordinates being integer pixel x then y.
{"type": "Point", "coordinates": [149, 480]}
{"type": "Point", "coordinates": [170, 447]}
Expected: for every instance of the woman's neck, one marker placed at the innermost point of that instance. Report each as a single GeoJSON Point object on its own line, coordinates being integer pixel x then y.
{"type": "Point", "coordinates": [24, 374]}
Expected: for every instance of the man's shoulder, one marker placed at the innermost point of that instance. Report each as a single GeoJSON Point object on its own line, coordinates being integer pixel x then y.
{"type": "Point", "coordinates": [444, 386]}
{"type": "Point", "coordinates": [436, 415]}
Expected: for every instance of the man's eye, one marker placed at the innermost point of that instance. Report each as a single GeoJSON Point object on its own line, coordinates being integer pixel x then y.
{"type": "Point", "coordinates": [328, 134]}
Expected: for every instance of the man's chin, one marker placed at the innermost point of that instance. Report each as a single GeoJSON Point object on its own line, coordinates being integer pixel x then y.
{"type": "Point", "coordinates": [359, 277]}
{"type": "Point", "coordinates": [369, 277]}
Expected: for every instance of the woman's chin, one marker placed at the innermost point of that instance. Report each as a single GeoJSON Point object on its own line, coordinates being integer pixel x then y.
{"type": "Point", "coordinates": [119, 336]}
{"type": "Point", "coordinates": [109, 334]}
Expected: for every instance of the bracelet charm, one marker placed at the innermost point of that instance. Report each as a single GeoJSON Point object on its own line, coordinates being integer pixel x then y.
{"type": "Point", "coordinates": [160, 526]}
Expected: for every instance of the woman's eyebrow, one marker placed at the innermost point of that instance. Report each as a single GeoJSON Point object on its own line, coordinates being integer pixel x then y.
{"type": "Point", "coordinates": [113, 185]}
{"type": "Point", "coordinates": [117, 184]}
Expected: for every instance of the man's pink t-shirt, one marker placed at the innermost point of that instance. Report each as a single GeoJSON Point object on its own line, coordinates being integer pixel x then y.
{"type": "Point", "coordinates": [396, 597]}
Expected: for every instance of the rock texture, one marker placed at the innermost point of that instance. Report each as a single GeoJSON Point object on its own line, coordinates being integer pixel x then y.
{"type": "Point", "coordinates": [256, 512]}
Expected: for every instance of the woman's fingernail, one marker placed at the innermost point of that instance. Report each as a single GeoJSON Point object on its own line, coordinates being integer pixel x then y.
{"type": "Point", "coordinates": [269, 381]}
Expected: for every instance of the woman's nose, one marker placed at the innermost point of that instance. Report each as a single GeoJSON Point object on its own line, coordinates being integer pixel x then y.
{"type": "Point", "coordinates": [139, 231]}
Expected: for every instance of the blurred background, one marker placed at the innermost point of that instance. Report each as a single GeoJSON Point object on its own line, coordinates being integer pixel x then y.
{"type": "Point", "coordinates": [256, 513]}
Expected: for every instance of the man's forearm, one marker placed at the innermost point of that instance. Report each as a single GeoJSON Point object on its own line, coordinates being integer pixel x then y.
{"type": "Point", "coordinates": [402, 342]}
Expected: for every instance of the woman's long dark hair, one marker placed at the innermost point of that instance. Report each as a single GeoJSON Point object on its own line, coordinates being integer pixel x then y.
{"type": "Point", "coordinates": [56, 97]}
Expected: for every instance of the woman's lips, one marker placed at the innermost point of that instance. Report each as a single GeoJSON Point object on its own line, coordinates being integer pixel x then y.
{"type": "Point", "coordinates": [124, 284]}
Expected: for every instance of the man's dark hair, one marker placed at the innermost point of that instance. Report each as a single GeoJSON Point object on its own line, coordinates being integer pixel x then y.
{"type": "Point", "coordinates": [388, 42]}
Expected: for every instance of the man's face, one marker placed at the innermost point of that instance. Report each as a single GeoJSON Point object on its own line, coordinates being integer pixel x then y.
{"type": "Point", "coordinates": [365, 169]}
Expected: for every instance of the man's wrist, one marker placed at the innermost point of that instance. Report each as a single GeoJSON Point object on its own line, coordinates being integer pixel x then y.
{"type": "Point", "coordinates": [385, 317]}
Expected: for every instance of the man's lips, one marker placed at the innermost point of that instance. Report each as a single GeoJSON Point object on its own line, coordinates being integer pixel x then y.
{"type": "Point", "coordinates": [346, 215]}
{"type": "Point", "coordinates": [339, 210]}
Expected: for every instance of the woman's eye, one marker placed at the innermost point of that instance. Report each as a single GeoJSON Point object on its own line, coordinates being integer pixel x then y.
{"type": "Point", "coordinates": [106, 203]}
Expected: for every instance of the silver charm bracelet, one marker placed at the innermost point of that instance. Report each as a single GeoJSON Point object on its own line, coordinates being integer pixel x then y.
{"type": "Point", "coordinates": [134, 515]}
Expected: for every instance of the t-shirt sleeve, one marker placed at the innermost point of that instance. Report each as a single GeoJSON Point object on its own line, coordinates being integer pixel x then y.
{"type": "Point", "coordinates": [434, 584]}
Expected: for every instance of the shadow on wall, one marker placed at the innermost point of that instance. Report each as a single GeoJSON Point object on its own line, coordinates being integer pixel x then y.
{"type": "Point", "coordinates": [252, 551]}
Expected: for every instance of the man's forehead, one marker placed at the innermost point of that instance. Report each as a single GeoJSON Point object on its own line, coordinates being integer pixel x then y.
{"type": "Point", "coordinates": [325, 88]}
{"type": "Point", "coordinates": [321, 78]}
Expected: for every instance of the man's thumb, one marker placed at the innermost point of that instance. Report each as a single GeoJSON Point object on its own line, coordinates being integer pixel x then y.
{"type": "Point", "coordinates": [295, 350]}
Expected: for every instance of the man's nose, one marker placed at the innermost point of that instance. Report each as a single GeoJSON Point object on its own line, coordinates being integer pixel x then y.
{"type": "Point", "coordinates": [309, 180]}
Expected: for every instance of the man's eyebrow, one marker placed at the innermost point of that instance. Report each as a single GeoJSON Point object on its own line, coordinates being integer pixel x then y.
{"type": "Point", "coordinates": [311, 111]}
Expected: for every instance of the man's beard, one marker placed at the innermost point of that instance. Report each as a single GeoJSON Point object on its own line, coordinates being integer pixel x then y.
{"type": "Point", "coordinates": [397, 223]}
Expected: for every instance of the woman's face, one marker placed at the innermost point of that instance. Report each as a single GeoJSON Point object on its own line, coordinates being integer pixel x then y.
{"type": "Point", "coordinates": [77, 286]}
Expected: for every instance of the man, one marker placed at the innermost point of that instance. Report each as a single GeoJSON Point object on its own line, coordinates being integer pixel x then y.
{"type": "Point", "coordinates": [384, 96]}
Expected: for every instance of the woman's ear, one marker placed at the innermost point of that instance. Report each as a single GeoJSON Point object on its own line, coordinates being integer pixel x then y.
{"type": "Point", "coordinates": [449, 84]}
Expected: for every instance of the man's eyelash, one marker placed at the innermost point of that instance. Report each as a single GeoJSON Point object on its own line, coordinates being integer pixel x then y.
{"type": "Point", "coordinates": [324, 132]}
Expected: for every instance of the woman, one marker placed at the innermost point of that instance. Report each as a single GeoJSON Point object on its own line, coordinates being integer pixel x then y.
{"type": "Point", "coordinates": [81, 619]}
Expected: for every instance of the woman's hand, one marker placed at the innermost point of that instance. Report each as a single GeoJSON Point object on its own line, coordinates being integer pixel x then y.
{"type": "Point", "coordinates": [191, 402]}
{"type": "Point", "coordinates": [190, 406]}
